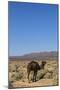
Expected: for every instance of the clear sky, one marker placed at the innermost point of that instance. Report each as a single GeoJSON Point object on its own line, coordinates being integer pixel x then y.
{"type": "Point", "coordinates": [32, 28]}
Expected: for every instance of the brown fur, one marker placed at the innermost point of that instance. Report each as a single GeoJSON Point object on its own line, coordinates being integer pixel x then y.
{"type": "Point", "coordinates": [34, 66]}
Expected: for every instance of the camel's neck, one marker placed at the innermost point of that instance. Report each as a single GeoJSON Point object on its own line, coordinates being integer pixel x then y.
{"type": "Point", "coordinates": [42, 67]}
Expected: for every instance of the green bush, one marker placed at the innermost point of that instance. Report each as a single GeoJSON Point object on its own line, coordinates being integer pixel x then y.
{"type": "Point", "coordinates": [19, 76]}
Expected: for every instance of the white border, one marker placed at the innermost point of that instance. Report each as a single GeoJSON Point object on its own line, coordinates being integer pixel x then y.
{"type": "Point", "coordinates": [4, 42]}
{"type": "Point", "coordinates": [39, 1]}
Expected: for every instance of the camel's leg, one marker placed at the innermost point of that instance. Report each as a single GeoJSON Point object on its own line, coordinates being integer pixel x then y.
{"type": "Point", "coordinates": [35, 74]}
{"type": "Point", "coordinates": [28, 76]}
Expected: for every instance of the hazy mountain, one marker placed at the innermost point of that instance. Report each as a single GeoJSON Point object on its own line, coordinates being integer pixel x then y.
{"type": "Point", "coordinates": [53, 55]}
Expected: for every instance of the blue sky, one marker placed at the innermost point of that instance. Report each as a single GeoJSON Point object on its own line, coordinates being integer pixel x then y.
{"type": "Point", "coordinates": [32, 28]}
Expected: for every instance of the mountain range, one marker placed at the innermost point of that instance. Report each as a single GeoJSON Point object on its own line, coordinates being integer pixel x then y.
{"type": "Point", "coordinates": [53, 55]}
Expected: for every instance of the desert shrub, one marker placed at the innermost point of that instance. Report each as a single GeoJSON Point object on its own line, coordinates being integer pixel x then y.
{"type": "Point", "coordinates": [16, 68]}
{"type": "Point", "coordinates": [56, 77]}
{"type": "Point", "coordinates": [24, 66]}
{"type": "Point", "coordinates": [41, 74]}
{"type": "Point", "coordinates": [16, 76]}
{"type": "Point", "coordinates": [16, 73]}
{"type": "Point", "coordinates": [48, 75]}
{"type": "Point", "coordinates": [19, 76]}
{"type": "Point", "coordinates": [56, 81]}
{"type": "Point", "coordinates": [12, 76]}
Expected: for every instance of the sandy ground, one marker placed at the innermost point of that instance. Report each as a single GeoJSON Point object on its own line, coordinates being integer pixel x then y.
{"type": "Point", "coordinates": [43, 82]}
{"type": "Point", "coordinates": [19, 78]}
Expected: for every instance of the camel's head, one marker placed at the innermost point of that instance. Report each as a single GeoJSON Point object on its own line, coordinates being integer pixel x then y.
{"type": "Point", "coordinates": [43, 64]}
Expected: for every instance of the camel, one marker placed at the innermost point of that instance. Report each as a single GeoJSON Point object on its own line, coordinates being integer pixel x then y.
{"type": "Point", "coordinates": [34, 66]}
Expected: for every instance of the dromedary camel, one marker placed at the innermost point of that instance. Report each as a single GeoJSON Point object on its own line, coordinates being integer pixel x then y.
{"type": "Point", "coordinates": [34, 66]}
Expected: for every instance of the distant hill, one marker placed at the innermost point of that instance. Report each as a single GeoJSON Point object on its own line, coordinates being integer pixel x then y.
{"type": "Point", "coordinates": [53, 55]}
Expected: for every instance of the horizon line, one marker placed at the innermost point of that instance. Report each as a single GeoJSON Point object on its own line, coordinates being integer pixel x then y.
{"type": "Point", "coordinates": [32, 53]}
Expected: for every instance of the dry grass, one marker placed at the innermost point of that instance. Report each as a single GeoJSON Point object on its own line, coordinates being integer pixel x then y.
{"type": "Point", "coordinates": [18, 74]}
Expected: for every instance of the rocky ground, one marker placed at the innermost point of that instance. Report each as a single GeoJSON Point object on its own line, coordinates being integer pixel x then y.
{"type": "Point", "coordinates": [18, 74]}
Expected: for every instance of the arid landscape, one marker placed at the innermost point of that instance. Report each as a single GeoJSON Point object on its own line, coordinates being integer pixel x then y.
{"type": "Point", "coordinates": [33, 45]}
{"type": "Point", "coordinates": [45, 77]}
